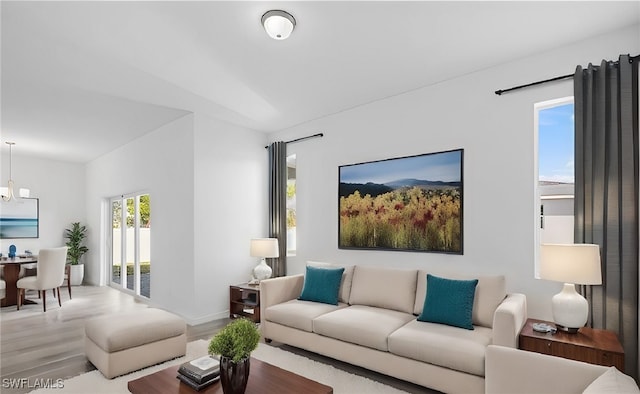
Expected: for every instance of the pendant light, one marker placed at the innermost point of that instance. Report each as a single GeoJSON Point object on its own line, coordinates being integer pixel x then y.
{"type": "Point", "coordinates": [7, 192]}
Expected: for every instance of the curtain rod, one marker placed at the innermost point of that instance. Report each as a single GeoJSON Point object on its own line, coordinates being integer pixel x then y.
{"type": "Point", "coordinates": [301, 139]}
{"type": "Point", "coordinates": [499, 92]}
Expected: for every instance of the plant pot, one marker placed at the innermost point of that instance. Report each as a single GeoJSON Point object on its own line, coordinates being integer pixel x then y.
{"type": "Point", "coordinates": [234, 376]}
{"type": "Point", "coordinates": [77, 274]}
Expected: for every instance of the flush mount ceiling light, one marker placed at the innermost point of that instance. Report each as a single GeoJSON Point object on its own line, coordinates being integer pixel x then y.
{"type": "Point", "coordinates": [278, 24]}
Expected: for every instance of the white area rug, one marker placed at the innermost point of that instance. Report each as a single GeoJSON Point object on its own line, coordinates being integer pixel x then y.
{"type": "Point", "coordinates": [342, 382]}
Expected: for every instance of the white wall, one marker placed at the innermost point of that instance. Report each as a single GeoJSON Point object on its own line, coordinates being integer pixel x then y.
{"type": "Point", "coordinates": [59, 186]}
{"type": "Point", "coordinates": [230, 208]}
{"type": "Point", "coordinates": [207, 185]}
{"type": "Point", "coordinates": [161, 164]}
{"type": "Point", "coordinates": [496, 133]}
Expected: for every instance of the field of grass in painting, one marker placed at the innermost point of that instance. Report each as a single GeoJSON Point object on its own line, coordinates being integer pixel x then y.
{"type": "Point", "coordinates": [408, 218]}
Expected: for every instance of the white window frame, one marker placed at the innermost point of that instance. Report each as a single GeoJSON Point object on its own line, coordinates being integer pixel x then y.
{"type": "Point", "coordinates": [537, 107]}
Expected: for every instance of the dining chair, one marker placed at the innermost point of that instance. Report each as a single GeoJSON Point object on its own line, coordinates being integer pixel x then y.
{"type": "Point", "coordinates": [67, 278]}
{"type": "Point", "coordinates": [51, 273]}
{"type": "Point", "coordinates": [3, 289]}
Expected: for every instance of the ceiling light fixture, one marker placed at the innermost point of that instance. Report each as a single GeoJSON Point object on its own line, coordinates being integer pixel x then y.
{"type": "Point", "coordinates": [7, 192]}
{"type": "Point", "coordinates": [278, 24]}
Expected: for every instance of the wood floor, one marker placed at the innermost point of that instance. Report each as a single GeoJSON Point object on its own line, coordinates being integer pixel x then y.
{"type": "Point", "coordinates": [50, 345]}
{"type": "Point", "coordinates": [36, 345]}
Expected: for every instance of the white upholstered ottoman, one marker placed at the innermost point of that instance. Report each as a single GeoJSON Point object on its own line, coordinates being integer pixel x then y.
{"type": "Point", "coordinates": [124, 342]}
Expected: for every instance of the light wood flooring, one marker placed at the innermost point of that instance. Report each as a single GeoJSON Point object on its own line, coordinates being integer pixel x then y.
{"type": "Point", "coordinates": [50, 345]}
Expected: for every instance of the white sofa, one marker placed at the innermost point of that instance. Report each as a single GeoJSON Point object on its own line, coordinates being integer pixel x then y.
{"type": "Point", "coordinates": [514, 371]}
{"type": "Point", "coordinates": [374, 325]}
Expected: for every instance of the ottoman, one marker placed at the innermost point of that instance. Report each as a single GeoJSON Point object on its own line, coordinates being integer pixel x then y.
{"type": "Point", "coordinates": [124, 342]}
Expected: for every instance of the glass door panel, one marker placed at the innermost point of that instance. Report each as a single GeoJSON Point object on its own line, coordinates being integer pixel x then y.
{"type": "Point", "coordinates": [145, 245]}
{"type": "Point", "coordinates": [130, 242]}
{"type": "Point", "coordinates": [116, 241]}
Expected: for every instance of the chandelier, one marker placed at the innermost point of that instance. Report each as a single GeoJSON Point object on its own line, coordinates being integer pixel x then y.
{"type": "Point", "coordinates": [7, 192]}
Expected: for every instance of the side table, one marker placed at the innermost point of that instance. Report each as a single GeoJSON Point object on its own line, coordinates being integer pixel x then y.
{"type": "Point", "coordinates": [589, 345]}
{"type": "Point", "coordinates": [244, 301]}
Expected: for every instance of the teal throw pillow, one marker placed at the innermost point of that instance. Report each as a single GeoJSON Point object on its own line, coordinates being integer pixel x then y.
{"type": "Point", "coordinates": [322, 285]}
{"type": "Point", "coordinates": [449, 302]}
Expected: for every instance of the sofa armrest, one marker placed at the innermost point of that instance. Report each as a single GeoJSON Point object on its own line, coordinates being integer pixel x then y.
{"type": "Point", "coordinates": [514, 371]}
{"type": "Point", "coordinates": [278, 290]}
{"type": "Point", "coordinates": [509, 319]}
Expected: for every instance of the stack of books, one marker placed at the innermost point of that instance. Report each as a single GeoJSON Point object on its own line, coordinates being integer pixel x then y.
{"type": "Point", "coordinates": [200, 373]}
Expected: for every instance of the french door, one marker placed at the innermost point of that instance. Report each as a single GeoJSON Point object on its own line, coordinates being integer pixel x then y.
{"type": "Point", "coordinates": [131, 244]}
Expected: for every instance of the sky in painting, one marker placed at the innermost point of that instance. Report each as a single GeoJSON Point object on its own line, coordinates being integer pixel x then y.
{"type": "Point", "coordinates": [556, 144]}
{"type": "Point", "coordinates": [443, 166]}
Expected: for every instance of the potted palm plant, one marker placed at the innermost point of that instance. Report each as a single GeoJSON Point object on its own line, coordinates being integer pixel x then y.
{"type": "Point", "coordinates": [75, 238]}
{"type": "Point", "coordinates": [234, 344]}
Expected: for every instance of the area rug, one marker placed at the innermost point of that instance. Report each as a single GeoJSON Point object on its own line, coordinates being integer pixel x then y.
{"type": "Point", "coordinates": [342, 382]}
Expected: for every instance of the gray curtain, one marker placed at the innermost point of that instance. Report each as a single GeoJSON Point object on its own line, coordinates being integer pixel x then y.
{"type": "Point", "coordinates": [278, 204]}
{"type": "Point", "coordinates": [606, 195]}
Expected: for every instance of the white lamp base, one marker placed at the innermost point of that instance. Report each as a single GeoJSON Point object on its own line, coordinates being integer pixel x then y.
{"type": "Point", "coordinates": [570, 309]}
{"type": "Point", "coordinates": [261, 271]}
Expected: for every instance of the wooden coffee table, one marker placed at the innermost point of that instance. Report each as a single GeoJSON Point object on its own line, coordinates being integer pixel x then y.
{"type": "Point", "coordinates": [263, 379]}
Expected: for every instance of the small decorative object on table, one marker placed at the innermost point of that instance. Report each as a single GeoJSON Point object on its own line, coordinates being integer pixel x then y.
{"type": "Point", "coordinates": [234, 343]}
{"type": "Point", "coordinates": [543, 327]}
{"type": "Point", "coordinates": [200, 373]}
{"type": "Point", "coordinates": [12, 251]}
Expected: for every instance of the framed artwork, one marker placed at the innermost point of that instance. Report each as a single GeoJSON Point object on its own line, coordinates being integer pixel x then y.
{"type": "Point", "coordinates": [19, 218]}
{"type": "Point", "coordinates": [411, 203]}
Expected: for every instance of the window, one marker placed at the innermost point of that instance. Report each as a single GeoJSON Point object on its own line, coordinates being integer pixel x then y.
{"type": "Point", "coordinates": [131, 247]}
{"type": "Point", "coordinates": [291, 205]}
{"type": "Point", "coordinates": [555, 171]}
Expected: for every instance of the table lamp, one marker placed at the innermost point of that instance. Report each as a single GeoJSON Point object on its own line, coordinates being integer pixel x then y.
{"type": "Point", "coordinates": [571, 264]}
{"type": "Point", "coordinates": [263, 248]}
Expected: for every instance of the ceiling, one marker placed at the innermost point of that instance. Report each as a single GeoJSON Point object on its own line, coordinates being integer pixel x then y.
{"type": "Point", "coordinates": [81, 78]}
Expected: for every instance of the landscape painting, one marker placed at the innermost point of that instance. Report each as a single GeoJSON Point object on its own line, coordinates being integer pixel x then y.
{"type": "Point", "coordinates": [19, 218]}
{"type": "Point", "coordinates": [410, 203]}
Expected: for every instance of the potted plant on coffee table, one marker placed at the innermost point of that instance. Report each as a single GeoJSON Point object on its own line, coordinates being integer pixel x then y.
{"type": "Point", "coordinates": [234, 344]}
{"type": "Point", "coordinates": [75, 238]}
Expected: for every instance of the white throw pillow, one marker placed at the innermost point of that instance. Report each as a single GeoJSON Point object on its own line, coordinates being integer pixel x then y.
{"type": "Point", "coordinates": [612, 381]}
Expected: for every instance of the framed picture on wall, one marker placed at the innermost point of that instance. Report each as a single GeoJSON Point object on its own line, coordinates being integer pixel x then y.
{"type": "Point", "coordinates": [411, 203]}
{"type": "Point", "coordinates": [19, 218]}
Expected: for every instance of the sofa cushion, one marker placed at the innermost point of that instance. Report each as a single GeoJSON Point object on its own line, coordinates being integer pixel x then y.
{"type": "Point", "coordinates": [490, 292]}
{"type": "Point", "coordinates": [299, 314]}
{"type": "Point", "coordinates": [362, 325]}
{"type": "Point", "coordinates": [612, 381]}
{"type": "Point", "coordinates": [322, 285]}
{"type": "Point", "coordinates": [446, 346]}
{"type": "Point", "coordinates": [449, 301]}
{"type": "Point", "coordinates": [347, 277]}
{"type": "Point", "coordinates": [384, 288]}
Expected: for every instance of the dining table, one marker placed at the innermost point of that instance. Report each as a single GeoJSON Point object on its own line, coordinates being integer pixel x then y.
{"type": "Point", "coordinates": [11, 272]}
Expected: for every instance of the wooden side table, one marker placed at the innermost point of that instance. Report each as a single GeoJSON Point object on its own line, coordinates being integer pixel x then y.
{"type": "Point", "coordinates": [244, 301]}
{"type": "Point", "coordinates": [589, 345]}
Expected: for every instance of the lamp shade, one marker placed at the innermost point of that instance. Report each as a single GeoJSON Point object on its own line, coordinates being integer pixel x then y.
{"type": "Point", "coordinates": [278, 24]}
{"type": "Point", "coordinates": [571, 263]}
{"type": "Point", "coordinates": [264, 247]}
